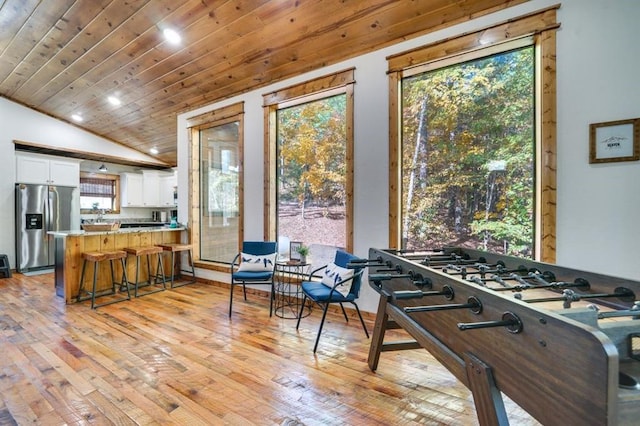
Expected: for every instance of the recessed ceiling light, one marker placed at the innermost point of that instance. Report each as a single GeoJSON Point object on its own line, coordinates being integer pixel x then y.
{"type": "Point", "coordinates": [114, 101]}
{"type": "Point", "coordinates": [76, 117]}
{"type": "Point", "coordinates": [172, 36]}
{"type": "Point", "coordinates": [154, 150]}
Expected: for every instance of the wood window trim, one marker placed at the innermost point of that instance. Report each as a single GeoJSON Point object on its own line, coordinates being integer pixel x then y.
{"type": "Point", "coordinates": [217, 117]}
{"type": "Point", "coordinates": [540, 25]}
{"type": "Point", "coordinates": [110, 177]}
{"type": "Point", "coordinates": [309, 90]}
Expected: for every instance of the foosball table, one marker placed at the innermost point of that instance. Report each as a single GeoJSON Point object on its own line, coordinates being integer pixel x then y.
{"type": "Point", "coordinates": [563, 344]}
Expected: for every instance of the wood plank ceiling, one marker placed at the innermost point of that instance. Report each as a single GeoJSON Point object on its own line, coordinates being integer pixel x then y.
{"type": "Point", "coordinates": [66, 57]}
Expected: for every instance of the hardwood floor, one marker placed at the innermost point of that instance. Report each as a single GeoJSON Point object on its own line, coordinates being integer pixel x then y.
{"type": "Point", "coordinates": [176, 358]}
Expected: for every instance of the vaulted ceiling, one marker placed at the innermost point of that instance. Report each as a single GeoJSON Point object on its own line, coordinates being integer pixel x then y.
{"type": "Point", "coordinates": [66, 57]}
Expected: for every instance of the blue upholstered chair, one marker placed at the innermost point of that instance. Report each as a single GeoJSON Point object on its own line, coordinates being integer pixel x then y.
{"type": "Point", "coordinates": [340, 283]}
{"type": "Point", "coordinates": [255, 264]}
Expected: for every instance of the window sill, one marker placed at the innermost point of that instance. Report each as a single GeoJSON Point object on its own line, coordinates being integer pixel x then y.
{"type": "Point", "coordinates": [211, 266]}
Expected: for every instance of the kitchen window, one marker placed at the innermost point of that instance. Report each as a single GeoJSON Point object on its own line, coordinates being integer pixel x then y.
{"type": "Point", "coordinates": [99, 192]}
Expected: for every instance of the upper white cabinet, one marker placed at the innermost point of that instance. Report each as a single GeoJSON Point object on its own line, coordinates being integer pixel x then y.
{"type": "Point", "coordinates": [47, 170]}
{"type": "Point", "coordinates": [131, 190]}
{"type": "Point", "coordinates": [151, 185]}
{"type": "Point", "coordinates": [168, 188]}
{"type": "Point", "coordinates": [150, 188]}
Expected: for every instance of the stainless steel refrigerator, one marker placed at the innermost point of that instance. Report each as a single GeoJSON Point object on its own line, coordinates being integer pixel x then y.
{"type": "Point", "coordinates": [39, 210]}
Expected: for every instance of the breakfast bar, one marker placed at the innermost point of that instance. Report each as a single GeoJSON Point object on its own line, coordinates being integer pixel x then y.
{"type": "Point", "coordinates": [69, 246]}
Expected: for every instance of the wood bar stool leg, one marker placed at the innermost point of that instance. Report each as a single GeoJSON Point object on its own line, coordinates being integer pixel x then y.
{"type": "Point", "coordinates": [95, 258]}
{"type": "Point", "coordinates": [81, 289]}
{"type": "Point", "coordinates": [157, 273]}
{"type": "Point", "coordinates": [153, 279]}
{"type": "Point", "coordinates": [124, 280]}
{"type": "Point", "coordinates": [95, 282]}
{"type": "Point", "coordinates": [193, 267]}
{"type": "Point", "coordinates": [113, 276]}
{"type": "Point", "coordinates": [111, 256]}
{"type": "Point", "coordinates": [137, 275]}
{"type": "Point", "coordinates": [160, 271]}
{"type": "Point", "coordinates": [174, 248]}
{"type": "Point", "coordinates": [173, 263]}
{"type": "Point", "coordinates": [149, 268]}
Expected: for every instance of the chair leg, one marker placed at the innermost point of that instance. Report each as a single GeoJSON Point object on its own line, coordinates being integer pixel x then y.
{"type": "Point", "coordinates": [304, 300]}
{"type": "Point", "coordinates": [344, 312]}
{"type": "Point", "coordinates": [361, 320]}
{"type": "Point", "coordinates": [244, 291]}
{"type": "Point", "coordinates": [230, 299]}
{"type": "Point", "coordinates": [324, 314]}
{"type": "Point", "coordinates": [272, 296]}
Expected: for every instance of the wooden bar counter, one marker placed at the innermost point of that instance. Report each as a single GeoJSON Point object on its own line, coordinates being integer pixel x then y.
{"type": "Point", "coordinates": [69, 246]}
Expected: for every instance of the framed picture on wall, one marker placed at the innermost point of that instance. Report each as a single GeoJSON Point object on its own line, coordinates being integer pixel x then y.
{"type": "Point", "coordinates": [293, 250]}
{"type": "Point", "coordinates": [614, 141]}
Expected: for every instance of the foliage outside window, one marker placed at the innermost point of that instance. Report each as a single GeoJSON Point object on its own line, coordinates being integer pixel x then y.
{"type": "Point", "coordinates": [537, 30]}
{"type": "Point", "coordinates": [468, 149]}
{"type": "Point", "coordinates": [99, 192]}
{"type": "Point", "coordinates": [311, 172]}
{"type": "Point", "coordinates": [309, 166]}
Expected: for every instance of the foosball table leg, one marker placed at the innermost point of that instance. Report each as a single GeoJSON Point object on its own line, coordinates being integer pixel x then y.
{"type": "Point", "coordinates": [379, 328]}
{"type": "Point", "coordinates": [486, 395]}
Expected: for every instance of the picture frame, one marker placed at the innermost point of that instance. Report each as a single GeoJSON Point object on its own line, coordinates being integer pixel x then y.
{"type": "Point", "coordinates": [293, 250]}
{"type": "Point", "coordinates": [614, 141]}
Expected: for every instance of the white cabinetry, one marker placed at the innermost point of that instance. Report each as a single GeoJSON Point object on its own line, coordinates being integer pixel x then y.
{"type": "Point", "coordinates": [168, 186]}
{"type": "Point", "coordinates": [148, 189]}
{"type": "Point", "coordinates": [131, 190]}
{"type": "Point", "coordinates": [47, 170]}
{"type": "Point", "coordinates": [151, 185]}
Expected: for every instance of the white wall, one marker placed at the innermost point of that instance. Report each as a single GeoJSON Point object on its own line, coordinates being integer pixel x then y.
{"type": "Point", "coordinates": [598, 204]}
{"type": "Point", "coordinates": [597, 66]}
{"type": "Point", "coordinates": [23, 124]}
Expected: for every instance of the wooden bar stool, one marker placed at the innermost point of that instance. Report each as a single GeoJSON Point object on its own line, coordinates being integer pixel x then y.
{"type": "Point", "coordinates": [96, 257]}
{"type": "Point", "coordinates": [174, 248]}
{"type": "Point", "coordinates": [159, 273]}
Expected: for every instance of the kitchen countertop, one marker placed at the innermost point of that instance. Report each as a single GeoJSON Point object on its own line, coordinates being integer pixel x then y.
{"type": "Point", "coordinates": [141, 224]}
{"type": "Point", "coordinates": [74, 232]}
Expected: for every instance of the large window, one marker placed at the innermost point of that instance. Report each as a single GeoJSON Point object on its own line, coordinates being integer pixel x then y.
{"type": "Point", "coordinates": [472, 141]}
{"type": "Point", "coordinates": [219, 171]}
{"type": "Point", "coordinates": [216, 199]}
{"type": "Point", "coordinates": [311, 147]}
{"type": "Point", "coordinates": [468, 149]}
